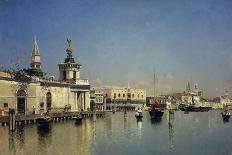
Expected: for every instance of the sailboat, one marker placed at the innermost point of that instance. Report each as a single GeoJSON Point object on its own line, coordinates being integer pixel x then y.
{"type": "Point", "coordinates": [156, 110]}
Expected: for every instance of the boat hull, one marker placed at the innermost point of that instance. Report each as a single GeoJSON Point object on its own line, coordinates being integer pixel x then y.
{"type": "Point", "coordinates": [194, 109]}
{"type": "Point", "coordinates": [156, 114]}
{"type": "Point", "coordinates": [225, 117]}
{"type": "Point", "coordinates": [78, 119]}
{"type": "Point", "coordinates": [43, 121]}
{"type": "Point", "coordinates": [139, 116]}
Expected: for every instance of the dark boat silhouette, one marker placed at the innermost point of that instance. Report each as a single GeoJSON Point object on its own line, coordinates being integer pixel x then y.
{"type": "Point", "coordinates": [156, 111]}
{"type": "Point", "coordinates": [193, 108]}
{"type": "Point", "coordinates": [225, 115]}
{"type": "Point", "coordinates": [139, 115]}
{"type": "Point", "coordinates": [78, 119]}
{"type": "Point", "coordinates": [44, 120]}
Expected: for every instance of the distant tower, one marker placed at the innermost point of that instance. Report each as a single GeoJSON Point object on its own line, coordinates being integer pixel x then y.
{"type": "Point", "coordinates": [69, 70]}
{"type": "Point", "coordinates": [196, 88]}
{"type": "Point", "coordinates": [35, 57]}
{"type": "Point", "coordinates": [35, 65]}
{"type": "Point", "coordinates": [188, 89]}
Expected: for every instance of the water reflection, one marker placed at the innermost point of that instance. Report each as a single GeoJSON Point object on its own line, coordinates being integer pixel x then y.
{"type": "Point", "coordinates": [157, 121]}
{"type": "Point", "coordinates": [139, 126]}
{"type": "Point", "coordinates": [44, 137]}
{"type": "Point", "coordinates": [117, 134]}
{"type": "Point", "coordinates": [139, 120]}
{"type": "Point", "coordinates": [225, 121]}
{"type": "Point", "coordinates": [94, 130]}
{"type": "Point", "coordinates": [43, 130]}
{"type": "Point", "coordinates": [171, 128]}
{"type": "Point", "coordinates": [125, 113]}
{"type": "Point", "coordinates": [20, 135]}
{"type": "Point", "coordinates": [12, 149]}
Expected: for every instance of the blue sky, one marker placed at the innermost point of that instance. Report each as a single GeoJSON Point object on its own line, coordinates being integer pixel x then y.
{"type": "Point", "coordinates": [121, 41]}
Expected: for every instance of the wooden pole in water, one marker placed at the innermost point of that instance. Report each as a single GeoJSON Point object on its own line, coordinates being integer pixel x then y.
{"type": "Point", "coordinates": [94, 114]}
{"type": "Point", "coordinates": [11, 120]}
{"type": "Point", "coordinates": [105, 103]}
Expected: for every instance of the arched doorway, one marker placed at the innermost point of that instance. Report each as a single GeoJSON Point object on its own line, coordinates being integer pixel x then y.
{"type": "Point", "coordinates": [21, 101]}
{"type": "Point", "coordinates": [49, 100]}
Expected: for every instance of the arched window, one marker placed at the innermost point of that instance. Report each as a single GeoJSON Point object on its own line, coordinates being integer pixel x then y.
{"type": "Point", "coordinates": [21, 93]}
{"type": "Point", "coordinates": [49, 100]}
{"type": "Point", "coordinates": [119, 95]}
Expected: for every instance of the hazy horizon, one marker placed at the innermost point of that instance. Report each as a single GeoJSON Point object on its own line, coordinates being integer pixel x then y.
{"type": "Point", "coordinates": [126, 41]}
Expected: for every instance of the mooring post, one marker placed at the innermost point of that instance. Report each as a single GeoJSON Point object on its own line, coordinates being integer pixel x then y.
{"type": "Point", "coordinates": [125, 112]}
{"type": "Point", "coordinates": [105, 102]}
{"type": "Point", "coordinates": [11, 120]}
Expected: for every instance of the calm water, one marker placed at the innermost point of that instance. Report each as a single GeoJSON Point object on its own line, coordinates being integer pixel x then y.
{"type": "Point", "coordinates": [193, 133]}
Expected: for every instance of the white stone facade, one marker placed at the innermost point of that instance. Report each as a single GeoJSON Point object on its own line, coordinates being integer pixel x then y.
{"type": "Point", "coordinates": [39, 95]}
{"type": "Point", "coordinates": [36, 95]}
{"type": "Point", "coordinates": [124, 95]}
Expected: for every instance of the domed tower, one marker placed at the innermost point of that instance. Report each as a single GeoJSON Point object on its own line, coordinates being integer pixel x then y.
{"type": "Point", "coordinates": [196, 90]}
{"type": "Point", "coordinates": [69, 71]}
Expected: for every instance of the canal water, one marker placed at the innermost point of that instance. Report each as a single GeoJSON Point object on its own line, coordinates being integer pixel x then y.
{"type": "Point", "coordinates": [202, 133]}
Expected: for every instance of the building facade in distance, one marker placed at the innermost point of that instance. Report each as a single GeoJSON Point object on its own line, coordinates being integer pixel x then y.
{"type": "Point", "coordinates": [121, 95]}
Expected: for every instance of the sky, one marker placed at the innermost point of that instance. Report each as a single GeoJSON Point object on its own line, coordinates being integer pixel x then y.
{"type": "Point", "coordinates": [125, 41]}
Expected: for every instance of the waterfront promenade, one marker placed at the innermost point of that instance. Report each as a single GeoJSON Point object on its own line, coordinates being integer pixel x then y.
{"type": "Point", "coordinates": [63, 115]}
{"type": "Point", "coordinates": [55, 116]}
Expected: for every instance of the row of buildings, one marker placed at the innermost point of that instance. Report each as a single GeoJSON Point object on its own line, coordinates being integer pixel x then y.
{"type": "Point", "coordinates": [118, 95]}
{"type": "Point", "coordinates": [30, 91]}
{"type": "Point", "coordinates": [192, 96]}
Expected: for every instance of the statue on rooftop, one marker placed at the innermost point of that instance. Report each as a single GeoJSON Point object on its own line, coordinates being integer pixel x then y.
{"type": "Point", "coordinates": [69, 43]}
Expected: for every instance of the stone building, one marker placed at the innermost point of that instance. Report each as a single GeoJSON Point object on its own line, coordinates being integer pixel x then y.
{"type": "Point", "coordinates": [124, 95]}
{"type": "Point", "coordinates": [191, 96]}
{"type": "Point", "coordinates": [108, 98]}
{"type": "Point", "coordinates": [31, 91]}
{"type": "Point", "coordinates": [97, 95]}
{"type": "Point", "coordinates": [225, 99]}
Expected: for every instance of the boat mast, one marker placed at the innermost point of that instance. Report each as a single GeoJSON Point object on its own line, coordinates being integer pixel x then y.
{"type": "Point", "coordinates": [154, 88]}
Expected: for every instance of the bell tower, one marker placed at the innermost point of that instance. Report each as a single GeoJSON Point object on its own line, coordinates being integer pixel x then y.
{"type": "Point", "coordinates": [35, 57]}
{"type": "Point", "coordinates": [35, 65]}
{"type": "Point", "coordinates": [69, 71]}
